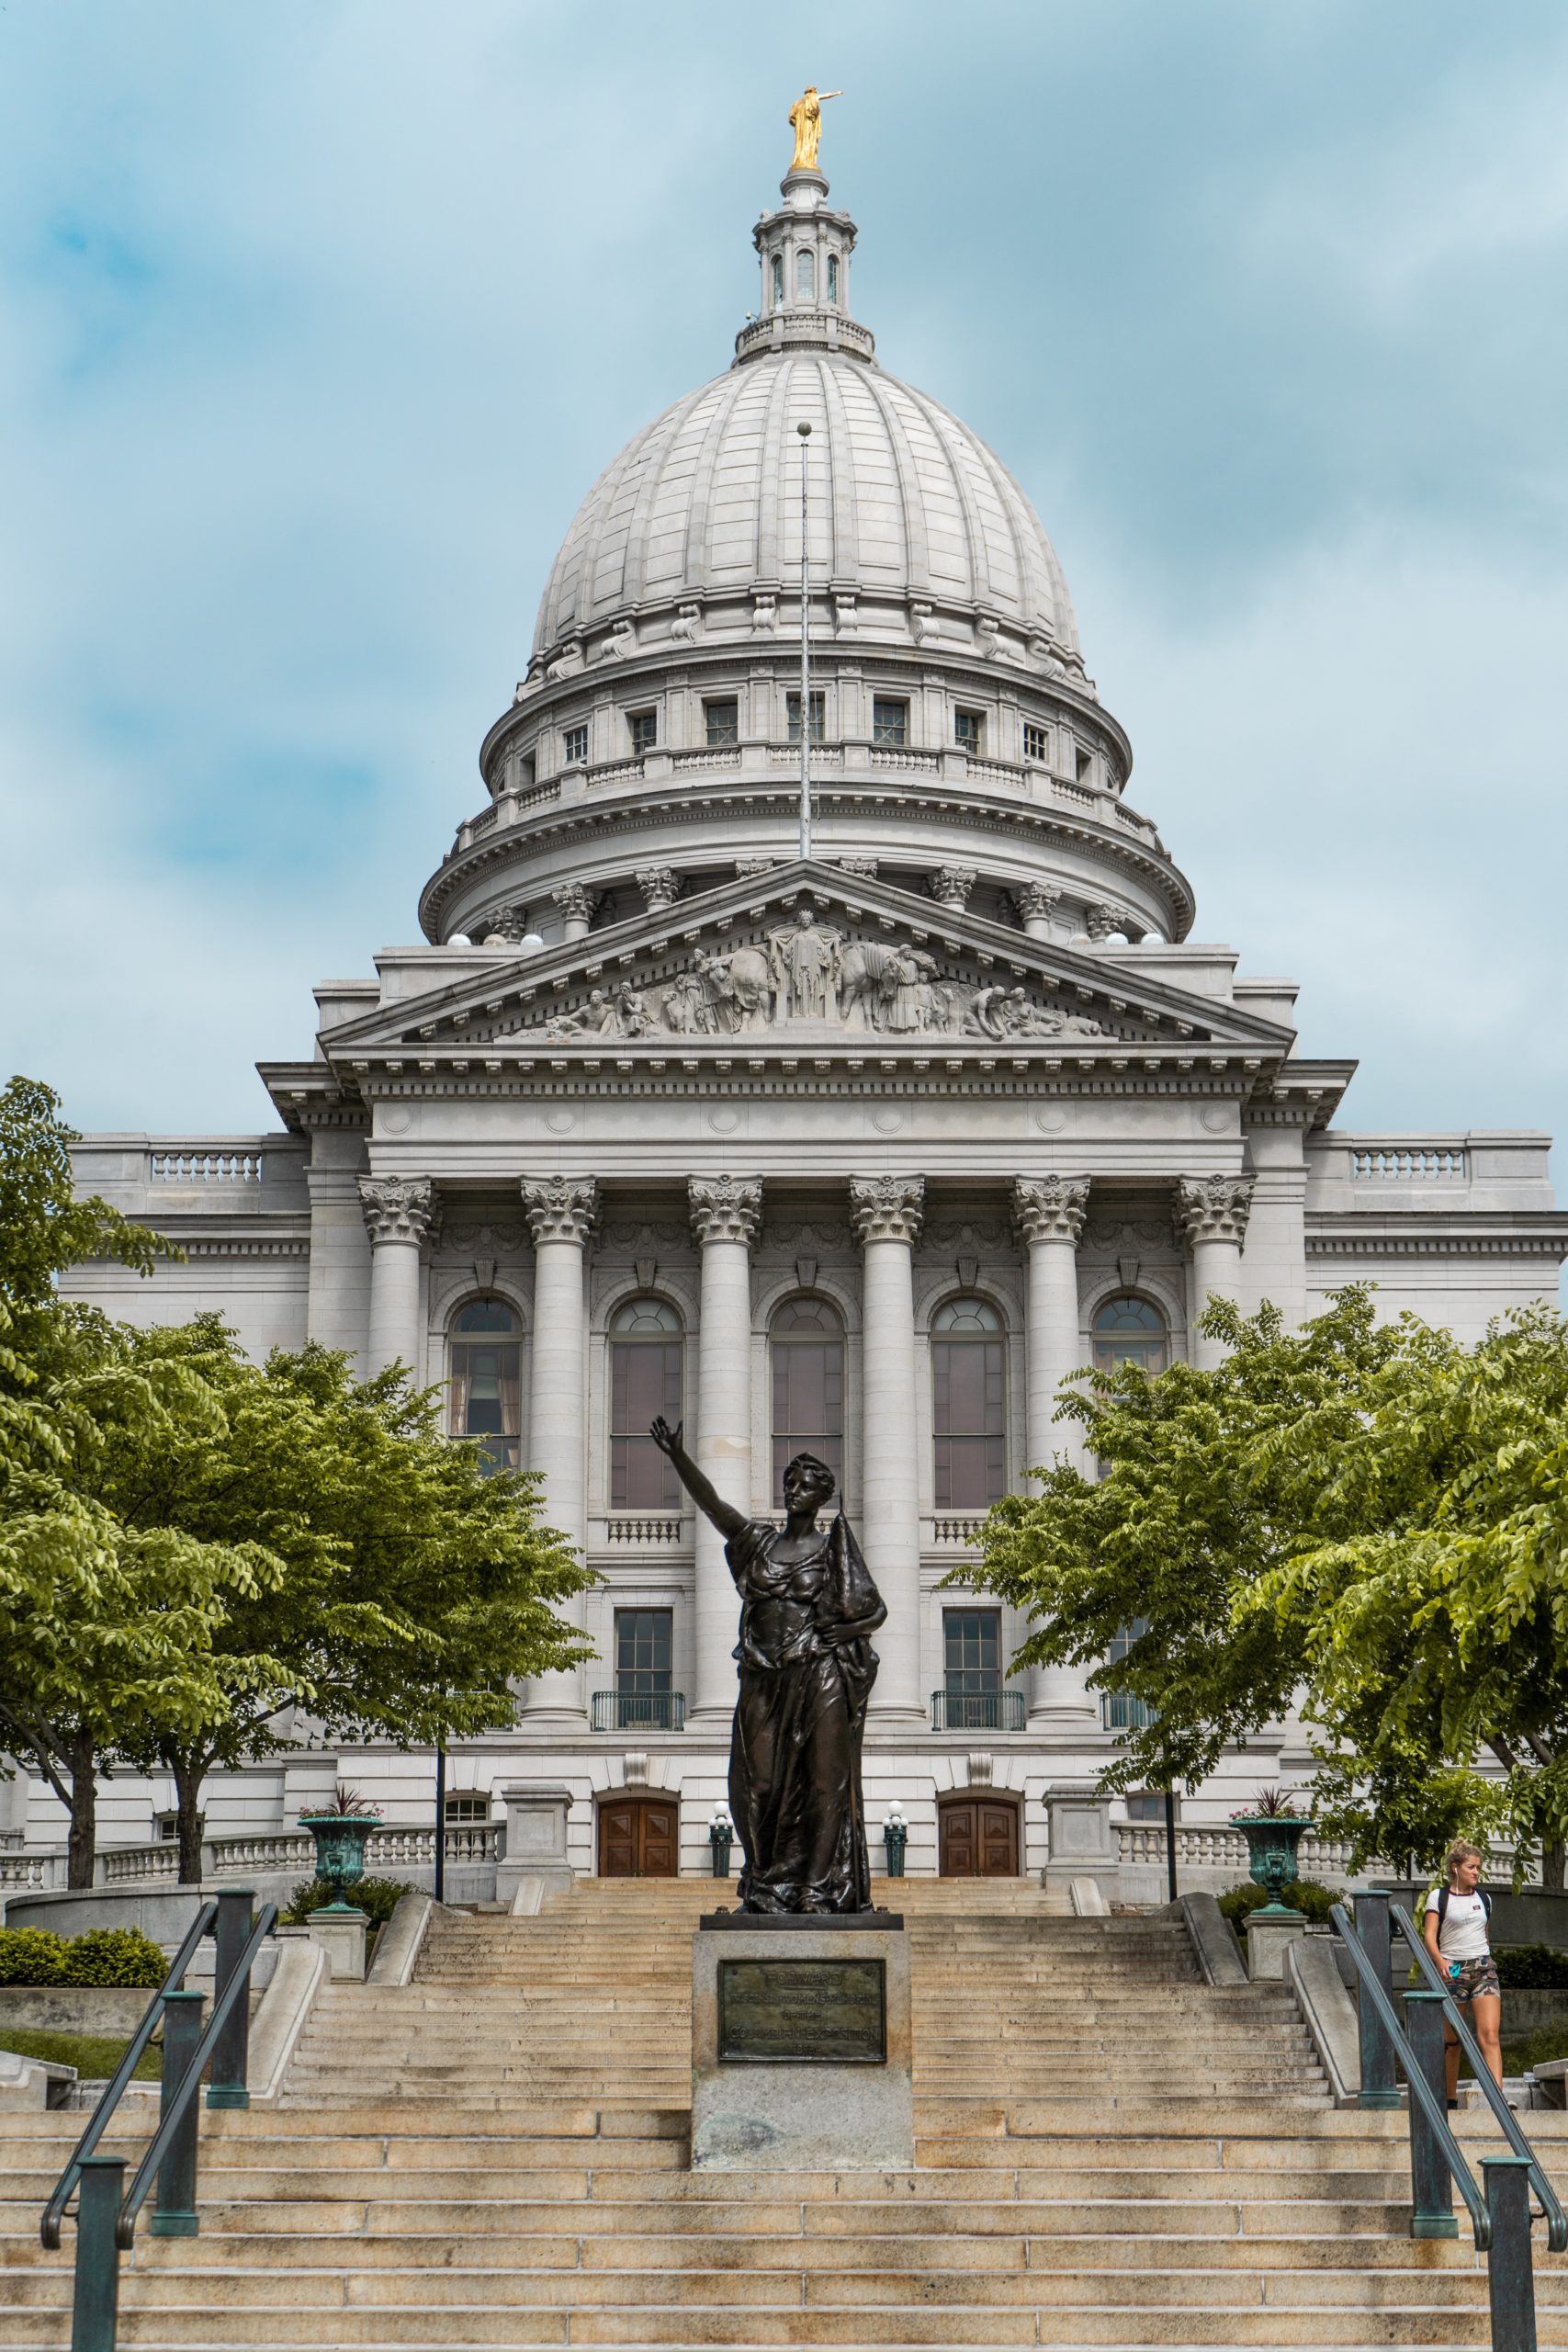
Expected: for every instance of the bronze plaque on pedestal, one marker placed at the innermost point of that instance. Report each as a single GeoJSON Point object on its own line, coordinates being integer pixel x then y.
{"type": "Point", "coordinates": [809, 2012]}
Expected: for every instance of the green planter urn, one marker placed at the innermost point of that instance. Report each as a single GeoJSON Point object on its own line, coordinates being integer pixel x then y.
{"type": "Point", "coordinates": [340, 1850]}
{"type": "Point", "coordinates": [1271, 1842]}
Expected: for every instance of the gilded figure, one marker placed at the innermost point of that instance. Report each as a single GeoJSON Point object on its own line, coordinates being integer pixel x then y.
{"type": "Point", "coordinates": [806, 122]}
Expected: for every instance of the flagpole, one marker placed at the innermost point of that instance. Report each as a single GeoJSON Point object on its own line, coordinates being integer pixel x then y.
{"type": "Point", "coordinates": [805, 433]}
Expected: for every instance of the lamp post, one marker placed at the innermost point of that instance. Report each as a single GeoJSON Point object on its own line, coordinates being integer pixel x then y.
{"type": "Point", "coordinates": [895, 1838]}
{"type": "Point", "coordinates": [721, 1837]}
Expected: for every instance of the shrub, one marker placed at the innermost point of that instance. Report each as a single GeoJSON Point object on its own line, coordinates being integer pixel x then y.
{"type": "Point", "coordinates": [1304, 1894]}
{"type": "Point", "coordinates": [377, 1897]}
{"type": "Point", "coordinates": [30, 1956]}
{"type": "Point", "coordinates": [1533, 1968]}
{"type": "Point", "coordinates": [122, 1956]}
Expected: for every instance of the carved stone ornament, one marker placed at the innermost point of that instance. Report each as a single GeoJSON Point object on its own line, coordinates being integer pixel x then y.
{"type": "Point", "coordinates": [748, 868]}
{"type": "Point", "coordinates": [887, 1208]}
{"type": "Point", "coordinates": [806, 971]}
{"type": "Point", "coordinates": [687, 623]}
{"type": "Point", "coordinates": [1035, 901]}
{"type": "Point", "coordinates": [951, 886]}
{"type": "Point", "coordinates": [576, 902]}
{"type": "Point", "coordinates": [621, 640]}
{"type": "Point", "coordinates": [508, 925]}
{"type": "Point", "coordinates": [1050, 1208]}
{"type": "Point", "coordinates": [399, 1208]}
{"type": "Point", "coordinates": [660, 886]}
{"type": "Point", "coordinates": [1214, 1208]}
{"type": "Point", "coordinates": [865, 867]}
{"type": "Point", "coordinates": [561, 1208]}
{"type": "Point", "coordinates": [725, 1208]}
{"type": "Point", "coordinates": [764, 615]}
{"type": "Point", "coordinates": [1100, 921]}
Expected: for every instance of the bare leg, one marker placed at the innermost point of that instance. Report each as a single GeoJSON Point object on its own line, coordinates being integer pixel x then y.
{"type": "Point", "coordinates": [1486, 2010]}
{"type": "Point", "coordinates": [1450, 2056]}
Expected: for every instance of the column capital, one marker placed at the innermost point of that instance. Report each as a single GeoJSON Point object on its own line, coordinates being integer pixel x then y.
{"type": "Point", "coordinates": [1213, 1208]}
{"type": "Point", "coordinates": [399, 1208]}
{"type": "Point", "coordinates": [1050, 1208]}
{"type": "Point", "coordinates": [951, 886]}
{"type": "Point", "coordinates": [1035, 900]}
{"type": "Point", "coordinates": [561, 1208]}
{"type": "Point", "coordinates": [660, 886]}
{"type": "Point", "coordinates": [577, 902]}
{"type": "Point", "coordinates": [725, 1208]}
{"type": "Point", "coordinates": [887, 1208]}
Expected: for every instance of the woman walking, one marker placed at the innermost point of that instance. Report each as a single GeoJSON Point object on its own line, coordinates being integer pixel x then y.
{"type": "Point", "coordinates": [1457, 1932]}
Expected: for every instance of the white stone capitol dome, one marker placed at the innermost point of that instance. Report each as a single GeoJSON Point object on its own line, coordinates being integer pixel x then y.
{"type": "Point", "coordinates": [916, 528]}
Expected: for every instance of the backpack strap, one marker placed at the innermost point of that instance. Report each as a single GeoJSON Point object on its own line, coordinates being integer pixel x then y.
{"type": "Point", "coordinates": [1442, 1908]}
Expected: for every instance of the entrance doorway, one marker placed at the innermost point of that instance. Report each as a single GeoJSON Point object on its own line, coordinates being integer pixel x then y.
{"type": "Point", "coordinates": [977, 1838]}
{"type": "Point", "coordinates": [640, 1837]}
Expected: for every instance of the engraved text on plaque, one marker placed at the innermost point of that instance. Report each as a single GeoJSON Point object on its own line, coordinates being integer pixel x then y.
{"type": "Point", "coordinates": [822, 2012]}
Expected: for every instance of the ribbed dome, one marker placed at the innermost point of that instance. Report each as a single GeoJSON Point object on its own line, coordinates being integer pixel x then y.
{"type": "Point", "coordinates": [905, 504]}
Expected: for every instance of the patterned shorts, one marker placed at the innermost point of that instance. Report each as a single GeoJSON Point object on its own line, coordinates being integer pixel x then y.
{"type": "Point", "coordinates": [1476, 1978]}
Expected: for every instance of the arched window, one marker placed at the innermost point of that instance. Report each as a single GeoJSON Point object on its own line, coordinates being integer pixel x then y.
{"type": "Point", "coordinates": [1128, 1330]}
{"type": "Point", "coordinates": [833, 278]}
{"type": "Point", "coordinates": [806, 275]}
{"type": "Point", "coordinates": [969, 1405]}
{"type": "Point", "coordinates": [778, 279]}
{"type": "Point", "coordinates": [807, 1346]}
{"type": "Point", "coordinates": [487, 1380]}
{"type": "Point", "coordinates": [645, 1380]}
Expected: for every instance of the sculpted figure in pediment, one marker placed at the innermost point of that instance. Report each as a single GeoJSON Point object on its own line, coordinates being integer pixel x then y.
{"type": "Point", "coordinates": [594, 1019]}
{"type": "Point", "coordinates": [806, 959]}
{"type": "Point", "coordinates": [1000, 1013]}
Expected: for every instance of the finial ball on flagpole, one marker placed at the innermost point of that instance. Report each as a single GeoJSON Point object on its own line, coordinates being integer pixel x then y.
{"type": "Point", "coordinates": [804, 430]}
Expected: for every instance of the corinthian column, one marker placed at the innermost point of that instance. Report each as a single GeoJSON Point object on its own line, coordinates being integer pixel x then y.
{"type": "Point", "coordinates": [886, 1211]}
{"type": "Point", "coordinates": [560, 1211]}
{"type": "Point", "coordinates": [726, 1211]}
{"type": "Point", "coordinates": [1049, 1210]}
{"type": "Point", "coordinates": [400, 1213]}
{"type": "Point", "coordinates": [1210, 1216]}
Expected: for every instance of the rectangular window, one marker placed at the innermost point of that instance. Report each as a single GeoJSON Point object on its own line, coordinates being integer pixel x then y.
{"type": "Point", "coordinates": [972, 1662]}
{"type": "Point", "coordinates": [818, 718]}
{"type": "Point", "coordinates": [968, 729]}
{"type": "Point", "coordinates": [1148, 1804]}
{"type": "Point", "coordinates": [1119, 1710]}
{"type": "Point", "coordinates": [168, 1827]}
{"type": "Point", "coordinates": [808, 1404]}
{"type": "Point", "coordinates": [967, 1397]}
{"type": "Point", "coordinates": [644, 1646]}
{"type": "Point", "coordinates": [574, 746]}
{"type": "Point", "coordinates": [1036, 743]}
{"type": "Point", "coordinates": [645, 1380]}
{"type": "Point", "coordinates": [889, 721]}
{"type": "Point", "coordinates": [1083, 764]}
{"type": "Point", "coordinates": [644, 731]}
{"type": "Point", "coordinates": [723, 721]}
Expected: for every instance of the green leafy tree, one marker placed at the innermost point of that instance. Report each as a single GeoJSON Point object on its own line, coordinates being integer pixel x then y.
{"type": "Point", "coordinates": [396, 1591]}
{"type": "Point", "coordinates": [101, 1627]}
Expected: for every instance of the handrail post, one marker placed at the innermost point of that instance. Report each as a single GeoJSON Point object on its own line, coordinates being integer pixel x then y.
{"type": "Point", "coordinates": [230, 2054]}
{"type": "Point", "coordinates": [175, 2215]}
{"type": "Point", "coordinates": [94, 2304]}
{"type": "Point", "coordinates": [1431, 2182]}
{"type": "Point", "coordinates": [1379, 2085]}
{"type": "Point", "coordinates": [1510, 2280]}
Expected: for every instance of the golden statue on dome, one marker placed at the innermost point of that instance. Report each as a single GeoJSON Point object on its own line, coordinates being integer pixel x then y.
{"type": "Point", "coordinates": [806, 122]}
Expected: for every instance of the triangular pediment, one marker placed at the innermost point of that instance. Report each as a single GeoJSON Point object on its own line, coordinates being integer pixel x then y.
{"type": "Point", "coordinates": [805, 954]}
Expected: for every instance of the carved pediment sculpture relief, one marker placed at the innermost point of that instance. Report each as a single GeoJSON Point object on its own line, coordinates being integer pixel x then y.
{"type": "Point", "coordinates": [808, 972]}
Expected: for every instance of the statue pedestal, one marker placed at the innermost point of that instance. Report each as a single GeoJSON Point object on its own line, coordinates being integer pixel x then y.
{"type": "Point", "coordinates": [801, 2043]}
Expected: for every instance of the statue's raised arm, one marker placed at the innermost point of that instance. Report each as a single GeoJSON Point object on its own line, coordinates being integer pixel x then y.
{"type": "Point", "coordinates": [725, 1517]}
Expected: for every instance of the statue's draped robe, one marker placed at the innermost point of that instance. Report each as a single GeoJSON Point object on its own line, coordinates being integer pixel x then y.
{"type": "Point", "coordinates": [807, 1668]}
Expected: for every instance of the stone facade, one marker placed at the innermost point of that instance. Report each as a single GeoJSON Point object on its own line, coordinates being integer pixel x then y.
{"type": "Point", "coordinates": [962, 1079]}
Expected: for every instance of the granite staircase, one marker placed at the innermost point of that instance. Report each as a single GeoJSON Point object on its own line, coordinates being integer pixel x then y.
{"type": "Point", "coordinates": [1110, 2153]}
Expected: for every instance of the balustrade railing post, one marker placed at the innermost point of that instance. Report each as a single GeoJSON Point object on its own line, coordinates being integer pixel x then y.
{"type": "Point", "coordinates": [1510, 2278]}
{"type": "Point", "coordinates": [1431, 2182]}
{"type": "Point", "coordinates": [94, 2304]}
{"type": "Point", "coordinates": [1379, 2085]}
{"type": "Point", "coordinates": [174, 2214]}
{"type": "Point", "coordinates": [231, 2054]}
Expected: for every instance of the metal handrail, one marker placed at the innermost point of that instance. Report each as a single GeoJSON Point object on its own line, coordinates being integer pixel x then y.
{"type": "Point", "coordinates": [1513, 2132]}
{"type": "Point", "coordinates": [238, 1987]}
{"type": "Point", "coordinates": [1421, 2091]}
{"type": "Point", "coordinates": [54, 2212]}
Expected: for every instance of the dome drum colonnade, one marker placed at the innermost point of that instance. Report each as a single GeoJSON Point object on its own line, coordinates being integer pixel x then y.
{"type": "Point", "coordinates": [402, 1215]}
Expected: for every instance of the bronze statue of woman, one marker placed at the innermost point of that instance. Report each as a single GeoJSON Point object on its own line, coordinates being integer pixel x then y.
{"type": "Point", "coordinates": [808, 1605]}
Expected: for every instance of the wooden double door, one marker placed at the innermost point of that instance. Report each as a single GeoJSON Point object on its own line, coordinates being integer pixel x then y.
{"type": "Point", "coordinates": [977, 1838]}
{"type": "Point", "coordinates": [639, 1837]}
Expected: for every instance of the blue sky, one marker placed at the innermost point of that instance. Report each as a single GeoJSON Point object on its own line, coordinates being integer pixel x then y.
{"type": "Point", "coordinates": [317, 320]}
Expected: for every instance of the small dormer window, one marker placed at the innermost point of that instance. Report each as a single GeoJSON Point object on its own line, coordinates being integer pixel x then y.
{"type": "Point", "coordinates": [1083, 765]}
{"type": "Point", "coordinates": [778, 277]}
{"type": "Point", "coordinates": [833, 278]}
{"type": "Point", "coordinates": [644, 731]}
{"type": "Point", "coordinates": [968, 729]}
{"type": "Point", "coordinates": [1036, 743]}
{"type": "Point", "coordinates": [806, 275]}
{"type": "Point", "coordinates": [574, 746]}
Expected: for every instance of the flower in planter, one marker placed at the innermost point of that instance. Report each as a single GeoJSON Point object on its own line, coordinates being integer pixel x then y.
{"type": "Point", "coordinates": [347, 1805]}
{"type": "Point", "coordinates": [1273, 1804]}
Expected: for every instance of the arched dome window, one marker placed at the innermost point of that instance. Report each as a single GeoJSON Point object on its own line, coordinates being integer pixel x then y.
{"type": "Point", "coordinates": [968, 1405]}
{"type": "Point", "coordinates": [778, 279]}
{"type": "Point", "coordinates": [806, 275]}
{"type": "Point", "coordinates": [807, 1347]}
{"type": "Point", "coordinates": [486, 1379]}
{"type": "Point", "coordinates": [833, 279]}
{"type": "Point", "coordinates": [645, 1380]}
{"type": "Point", "coordinates": [1128, 1330]}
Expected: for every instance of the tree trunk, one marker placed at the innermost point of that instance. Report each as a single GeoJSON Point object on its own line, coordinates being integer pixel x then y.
{"type": "Point", "coordinates": [190, 1820]}
{"type": "Point", "coordinates": [81, 1847]}
{"type": "Point", "coordinates": [1553, 1857]}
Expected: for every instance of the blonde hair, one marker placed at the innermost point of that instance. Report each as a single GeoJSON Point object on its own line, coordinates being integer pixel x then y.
{"type": "Point", "coordinates": [1461, 1850]}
